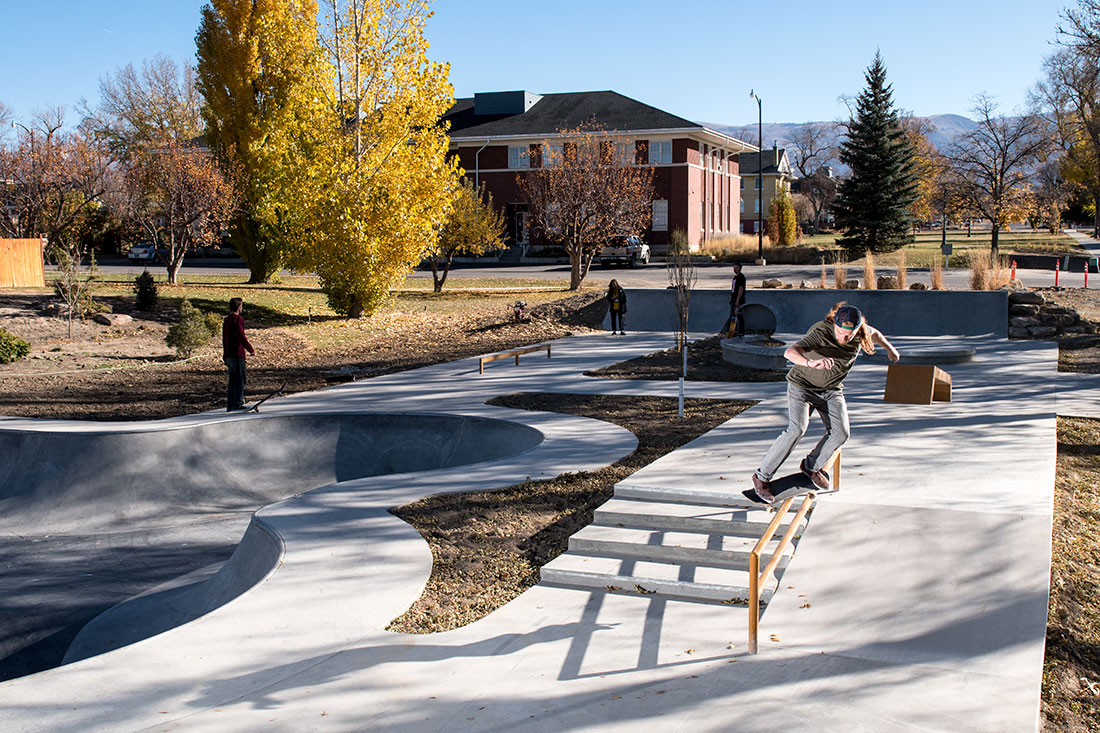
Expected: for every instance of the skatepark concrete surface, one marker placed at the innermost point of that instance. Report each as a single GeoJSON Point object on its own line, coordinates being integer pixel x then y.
{"type": "Point", "coordinates": [916, 598]}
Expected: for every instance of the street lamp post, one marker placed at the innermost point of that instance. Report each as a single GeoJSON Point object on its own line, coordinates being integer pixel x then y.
{"type": "Point", "coordinates": [759, 178]}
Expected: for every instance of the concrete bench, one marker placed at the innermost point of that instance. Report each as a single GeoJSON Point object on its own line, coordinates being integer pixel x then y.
{"type": "Point", "coordinates": [514, 352]}
{"type": "Point", "coordinates": [917, 384]}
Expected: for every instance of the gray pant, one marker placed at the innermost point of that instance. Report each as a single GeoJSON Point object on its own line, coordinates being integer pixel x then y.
{"type": "Point", "coordinates": [234, 393]}
{"type": "Point", "coordinates": [833, 409]}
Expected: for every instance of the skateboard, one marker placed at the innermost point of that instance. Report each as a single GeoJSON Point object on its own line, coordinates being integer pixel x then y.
{"type": "Point", "coordinates": [786, 487]}
{"type": "Point", "coordinates": [255, 406]}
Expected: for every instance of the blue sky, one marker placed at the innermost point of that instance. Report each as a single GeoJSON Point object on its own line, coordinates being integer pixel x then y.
{"type": "Point", "coordinates": [698, 60]}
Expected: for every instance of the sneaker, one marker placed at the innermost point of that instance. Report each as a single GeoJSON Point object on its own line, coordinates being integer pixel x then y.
{"type": "Point", "coordinates": [762, 489]}
{"type": "Point", "coordinates": [820, 478]}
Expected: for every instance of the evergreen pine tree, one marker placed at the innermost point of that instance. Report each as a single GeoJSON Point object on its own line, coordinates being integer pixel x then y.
{"type": "Point", "coordinates": [873, 203]}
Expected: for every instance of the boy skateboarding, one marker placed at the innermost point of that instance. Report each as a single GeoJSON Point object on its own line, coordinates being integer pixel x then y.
{"type": "Point", "coordinates": [821, 360]}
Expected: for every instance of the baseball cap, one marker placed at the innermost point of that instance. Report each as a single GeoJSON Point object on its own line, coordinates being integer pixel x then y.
{"type": "Point", "coordinates": [848, 317]}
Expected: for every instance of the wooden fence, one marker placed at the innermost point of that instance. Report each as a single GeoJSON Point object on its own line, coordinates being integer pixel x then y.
{"type": "Point", "coordinates": [21, 264]}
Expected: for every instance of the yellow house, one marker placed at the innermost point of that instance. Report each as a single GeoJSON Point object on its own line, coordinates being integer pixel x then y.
{"type": "Point", "coordinates": [775, 177]}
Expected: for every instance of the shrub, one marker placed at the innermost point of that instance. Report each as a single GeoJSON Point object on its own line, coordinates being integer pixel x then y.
{"type": "Point", "coordinates": [145, 291]}
{"type": "Point", "coordinates": [937, 275]}
{"type": "Point", "coordinates": [678, 242]}
{"type": "Point", "coordinates": [193, 330]}
{"type": "Point", "coordinates": [745, 248]}
{"type": "Point", "coordinates": [987, 272]}
{"type": "Point", "coordinates": [840, 271]}
{"type": "Point", "coordinates": [782, 224]}
{"type": "Point", "coordinates": [12, 348]}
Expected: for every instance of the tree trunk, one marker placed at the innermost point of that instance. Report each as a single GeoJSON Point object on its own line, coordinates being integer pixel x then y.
{"type": "Point", "coordinates": [996, 230]}
{"type": "Point", "coordinates": [355, 310]}
{"type": "Point", "coordinates": [437, 282]}
{"type": "Point", "coordinates": [575, 274]}
{"type": "Point", "coordinates": [1096, 216]}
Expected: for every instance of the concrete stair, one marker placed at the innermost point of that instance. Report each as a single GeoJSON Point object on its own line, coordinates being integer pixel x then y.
{"type": "Point", "coordinates": [672, 543]}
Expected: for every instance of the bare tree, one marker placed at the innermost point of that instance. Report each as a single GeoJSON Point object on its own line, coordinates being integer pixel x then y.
{"type": "Point", "coordinates": [681, 279]}
{"type": "Point", "coordinates": [812, 146]}
{"type": "Point", "coordinates": [158, 106]}
{"type": "Point", "coordinates": [583, 188]}
{"type": "Point", "coordinates": [992, 164]}
{"type": "Point", "coordinates": [179, 198]}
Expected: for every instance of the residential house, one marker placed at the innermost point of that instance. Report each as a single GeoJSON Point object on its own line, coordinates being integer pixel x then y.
{"type": "Point", "coordinates": [775, 177]}
{"type": "Point", "coordinates": [497, 136]}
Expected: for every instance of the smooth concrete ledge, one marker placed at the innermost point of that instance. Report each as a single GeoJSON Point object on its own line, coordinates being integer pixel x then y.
{"type": "Point", "coordinates": [751, 353]}
{"type": "Point", "coordinates": [894, 312]}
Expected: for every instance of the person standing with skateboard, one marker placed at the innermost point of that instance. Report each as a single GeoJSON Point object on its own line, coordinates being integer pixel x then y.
{"type": "Point", "coordinates": [234, 346]}
{"type": "Point", "coordinates": [821, 359]}
{"type": "Point", "coordinates": [737, 301]}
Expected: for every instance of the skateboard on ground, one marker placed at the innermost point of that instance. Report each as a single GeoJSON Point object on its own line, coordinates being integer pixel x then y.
{"type": "Point", "coordinates": [255, 406]}
{"type": "Point", "coordinates": [786, 487]}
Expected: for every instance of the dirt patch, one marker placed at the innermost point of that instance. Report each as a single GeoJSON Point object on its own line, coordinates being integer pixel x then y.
{"type": "Point", "coordinates": [1071, 669]}
{"type": "Point", "coordinates": [705, 364]}
{"type": "Point", "coordinates": [488, 546]}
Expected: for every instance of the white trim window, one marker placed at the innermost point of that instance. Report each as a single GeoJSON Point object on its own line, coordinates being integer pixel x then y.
{"type": "Point", "coordinates": [555, 157]}
{"type": "Point", "coordinates": [660, 151]}
{"type": "Point", "coordinates": [519, 156]}
{"type": "Point", "coordinates": [660, 215]}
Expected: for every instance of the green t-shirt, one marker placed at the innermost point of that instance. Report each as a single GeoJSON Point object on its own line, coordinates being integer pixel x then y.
{"type": "Point", "coordinates": [819, 343]}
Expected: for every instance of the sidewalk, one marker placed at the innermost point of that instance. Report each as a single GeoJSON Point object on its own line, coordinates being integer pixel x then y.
{"type": "Point", "coordinates": [916, 600]}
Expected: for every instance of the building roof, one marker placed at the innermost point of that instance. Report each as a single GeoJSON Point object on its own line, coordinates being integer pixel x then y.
{"type": "Point", "coordinates": [775, 162]}
{"type": "Point", "coordinates": [554, 112]}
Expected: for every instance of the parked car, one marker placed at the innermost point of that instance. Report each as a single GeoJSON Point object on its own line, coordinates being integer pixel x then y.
{"type": "Point", "coordinates": [624, 250]}
{"type": "Point", "coordinates": [143, 253]}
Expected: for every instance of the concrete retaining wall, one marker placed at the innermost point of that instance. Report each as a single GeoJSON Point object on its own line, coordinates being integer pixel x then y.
{"type": "Point", "coordinates": [894, 312]}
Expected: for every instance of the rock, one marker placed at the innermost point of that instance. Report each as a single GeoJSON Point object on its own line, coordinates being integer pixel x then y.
{"type": "Point", "coordinates": [1025, 296]}
{"type": "Point", "coordinates": [1023, 309]}
{"type": "Point", "coordinates": [887, 282]}
{"type": "Point", "coordinates": [1056, 319]}
{"type": "Point", "coordinates": [772, 282]}
{"type": "Point", "coordinates": [918, 286]}
{"type": "Point", "coordinates": [1018, 333]}
{"type": "Point", "coordinates": [1074, 329]}
{"type": "Point", "coordinates": [1022, 321]}
{"type": "Point", "coordinates": [806, 285]}
{"type": "Point", "coordinates": [1059, 309]}
{"type": "Point", "coordinates": [1042, 332]}
{"type": "Point", "coordinates": [851, 285]}
{"type": "Point", "coordinates": [112, 319]}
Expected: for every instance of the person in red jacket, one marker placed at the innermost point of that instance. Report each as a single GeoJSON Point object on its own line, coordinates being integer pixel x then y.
{"type": "Point", "coordinates": [234, 346]}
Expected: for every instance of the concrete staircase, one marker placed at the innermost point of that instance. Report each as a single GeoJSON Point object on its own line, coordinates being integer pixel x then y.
{"type": "Point", "coordinates": [680, 543]}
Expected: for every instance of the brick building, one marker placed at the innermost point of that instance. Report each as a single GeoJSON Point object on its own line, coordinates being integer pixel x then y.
{"type": "Point", "coordinates": [497, 135]}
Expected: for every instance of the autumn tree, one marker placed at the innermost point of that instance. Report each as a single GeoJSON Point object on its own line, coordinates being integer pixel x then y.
{"type": "Point", "coordinates": [782, 221]}
{"type": "Point", "coordinates": [992, 165]}
{"type": "Point", "coordinates": [1050, 193]}
{"type": "Point", "coordinates": [473, 228]}
{"type": "Point", "coordinates": [583, 188]}
{"type": "Point", "coordinates": [261, 73]}
{"type": "Point", "coordinates": [139, 110]}
{"type": "Point", "coordinates": [873, 203]}
{"type": "Point", "coordinates": [1068, 97]}
{"type": "Point", "coordinates": [179, 198]}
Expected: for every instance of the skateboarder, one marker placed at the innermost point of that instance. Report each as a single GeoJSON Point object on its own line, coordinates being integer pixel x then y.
{"type": "Point", "coordinates": [737, 301]}
{"type": "Point", "coordinates": [822, 359]}
{"type": "Point", "coordinates": [234, 346]}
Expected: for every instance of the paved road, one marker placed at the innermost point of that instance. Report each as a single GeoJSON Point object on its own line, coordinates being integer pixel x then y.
{"type": "Point", "coordinates": [709, 276]}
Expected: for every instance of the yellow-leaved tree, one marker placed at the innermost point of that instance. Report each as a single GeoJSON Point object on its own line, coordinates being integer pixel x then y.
{"type": "Point", "coordinates": [262, 76]}
{"type": "Point", "coordinates": [473, 228]}
{"type": "Point", "coordinates": [378, 191]}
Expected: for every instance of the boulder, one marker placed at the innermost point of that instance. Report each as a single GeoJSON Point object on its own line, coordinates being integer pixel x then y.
{"type": "Point", "coordinates": [1042, 332]}
{"type": "Point", "coordinates": [851, 285]}
{"type": "Point", "coordinates": [1059, 309]}
{"type": "Point", "coordinates": [1059, 320]}
{"type": "Point", "coordinates": [1023, 309]}
{"type": "Point", "coordinates": [918, 286]}
{"type": "Point", "coordinates": [1022, 321]}
{"type": "Point", "coordinates": [1018, 333]}
{"type": "Point", "coordinates": [887, 282]}
{"type": "Point", "coordinates": [112, 319]}
{"type": "Point", "coordinates": [1025, 296]}
{"type": "Point", "coordinates": [1074, 329]}
{"type": "Point", "coordinates": [806, 285]}
{"type": "Point", "coordinates": [772, 282]}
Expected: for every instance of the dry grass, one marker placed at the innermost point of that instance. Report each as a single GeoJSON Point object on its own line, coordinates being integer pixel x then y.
{"type": "Point", "coordinates": [870, 279]}
{"type": "Point", "coordinates": [902, 271]}
{"type": "Point", "coordinates": [936, 275]}
{"type": "Point", "coordinates": [988, 272]}
{"type": "Point", "coordinates": [746, 247]}
{"type": "Point", "coordinates": [840, 272]}
{"type": "Point", "coordinates": [824, 275]}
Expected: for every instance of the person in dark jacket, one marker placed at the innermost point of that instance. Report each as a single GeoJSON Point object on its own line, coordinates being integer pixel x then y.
{"type": "Point", "coordinates": [737, 301]}
{"type": "Point", "coordinates": [616, 300]}
{"type": "Point", "coordinates": [234, 346]}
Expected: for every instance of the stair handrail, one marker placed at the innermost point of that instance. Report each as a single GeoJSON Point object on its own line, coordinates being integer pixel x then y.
{"type": "Point", "coordinates": [755, 576]}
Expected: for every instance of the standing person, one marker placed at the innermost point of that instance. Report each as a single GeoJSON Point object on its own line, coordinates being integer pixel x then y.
{"type": "Point", "coordinates": [234, 346]}
{"type": "Point", "coordinates": [737, 300]}
{"type": "Point", "coordinates": [822, 359]}
{"type": "Point", "coordinates": [616, 299]}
